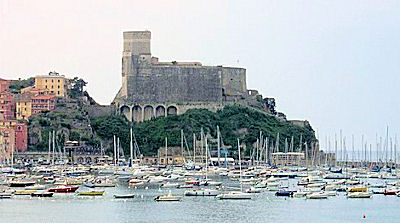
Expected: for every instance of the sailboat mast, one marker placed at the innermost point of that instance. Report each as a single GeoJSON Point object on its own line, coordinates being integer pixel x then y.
{"type": "Point", "coordinates": [48, 156]}
{"type": "Point", "coordinates": [131, 147]}
{"type": "Point", "coordinates": [115, 151]}
{"type": "Point", "coordinates": [194, 148]}
{"type": "Point", "coordinates": [240, 166]}
{"type": "Point", "coordinates": [218, 146]}
{"type": "Point", "coordinates": [166, 151]}
{"type": "Point", "coordinates": [54, 146]}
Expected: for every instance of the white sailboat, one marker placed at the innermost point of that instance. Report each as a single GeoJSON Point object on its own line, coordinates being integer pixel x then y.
{"type": "Point", "coordinates": [235, 195]}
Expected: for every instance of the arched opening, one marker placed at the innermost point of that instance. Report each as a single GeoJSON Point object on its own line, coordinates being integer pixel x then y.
{"type": "Point", "coordinates": [80, 160]}
{"type": "Point", "coordinates": [148, 112]}
{"type": "Point", "coordinates": [137, 113]}
{"type": "Point", "coordinates": [88, 160]}
{"type": "Point", "coordinates": [160, 111]}
{"type": "Point", "coordinates": [125, 110]}
{"type": "Point", "coordinates": [172, 110]}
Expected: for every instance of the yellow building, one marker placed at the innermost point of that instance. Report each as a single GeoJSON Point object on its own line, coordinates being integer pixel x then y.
{"type": "Point", "coordinates": [23, 106]}
{"type": "Point", "coordinates": [53, 83]}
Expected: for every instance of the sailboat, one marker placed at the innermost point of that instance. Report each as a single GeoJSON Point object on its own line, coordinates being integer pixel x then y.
{"type": "Point", "coordinates": [235, 195]}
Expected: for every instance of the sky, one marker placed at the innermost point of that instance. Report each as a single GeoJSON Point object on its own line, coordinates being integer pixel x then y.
{"type": "Point", "coordinates": [334, 63]}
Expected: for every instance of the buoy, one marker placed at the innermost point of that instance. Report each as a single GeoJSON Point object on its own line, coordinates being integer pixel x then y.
{"type": "Point", "coordinates": [364, 215]}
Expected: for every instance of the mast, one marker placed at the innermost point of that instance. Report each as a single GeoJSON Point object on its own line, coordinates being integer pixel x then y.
{"type": "Point", "coordinates": [194, 149]}
{"type": "Point", "coordinates": [131, 147]}
{"type": "Point", "coordinates": [240, 167]}
{"type": "Point", "coordinates": [118, 151]}
{"type": "Point", "coordinates": [182, 142]}
{"type": "Point", "coordinates": [115, 151]}
{"type": "Point", "coordinates": [48, 156]}
{"type": "Point", "coordinates": [201, 144]}
{"type": "Point", "coordinates": [54, 146]}
{"type": "Point", "coordinates": [266, 151]}
{"type": "Point", "coordinates": [336, 154]}
{"type": "Point", "coordinates": [206, 157]}
{"type": "Point", "coordinates": [218, 146]}
{"type": "Point", "coordinates": [166, 151]}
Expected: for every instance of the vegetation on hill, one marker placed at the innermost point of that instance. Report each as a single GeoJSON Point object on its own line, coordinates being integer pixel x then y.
{"type": "Point", "coordinates": [16, 86]}
{"type": "Point", "coordinates": [234, 122]}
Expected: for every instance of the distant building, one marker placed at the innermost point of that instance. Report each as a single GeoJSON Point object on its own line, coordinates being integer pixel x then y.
{"type": "Point", "coordinates": [7, 106]}
{"type": "Point", "coordinates": [4, 85]}
{"type": "Point", "coordinates": [16, 134]}
{"type": "Point", "coordinates": [23, 106]}
{"type": "Point", "coordinates": [290, 159]}
{"type": "Point", "coordinates": [82, 154]}
{"type": "Point", "coordinates": [170, 156]}
{"type": "Point", "coordinates": [52, 84]}
{"type": "Point", "coordinates": [43, 103]}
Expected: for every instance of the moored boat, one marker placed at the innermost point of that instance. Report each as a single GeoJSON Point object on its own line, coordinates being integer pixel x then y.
{"type": "Point", "coordinates": [124, 196]}
{"type": "Point", "coordinates": [359, 195]}
{"type": "Point", "coordinates": [64, 189]}
{"type": "Point", "coordinates": [42, 194]}
{"type": "Point", "coordinates": [5, 195]}
{"type": "Point", "coordinates": [234, 195]}
{"type": "Point", "coordinates": [91, 193]}
{"type": "Point", "coordinates": [168, 197]}
{"type": "Point", "coordinates": [202, 192]}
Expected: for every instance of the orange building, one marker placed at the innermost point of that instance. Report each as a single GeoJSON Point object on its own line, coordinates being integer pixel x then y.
{"type": "Point", "coordinates": [7, 104]}
{"type": "Point", "coordinates": [14, 136]}
{"type": "Point", "coordinates": [43, 103]}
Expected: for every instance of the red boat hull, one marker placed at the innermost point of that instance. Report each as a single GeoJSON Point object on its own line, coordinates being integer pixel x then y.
{"type": "Point", "coordinates": [69, 189]}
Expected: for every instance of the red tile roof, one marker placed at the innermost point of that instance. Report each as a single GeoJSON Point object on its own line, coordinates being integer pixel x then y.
{"type": "Point", "coordinates": [44, 96]}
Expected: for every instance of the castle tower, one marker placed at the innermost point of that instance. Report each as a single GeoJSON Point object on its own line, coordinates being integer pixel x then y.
{"type": "Point", "coordinates": [136, 53]}
{"type": "Point", "coordinates": [137, 42]}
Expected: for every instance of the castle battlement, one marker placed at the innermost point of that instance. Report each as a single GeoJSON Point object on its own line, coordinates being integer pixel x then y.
{"type": "Point", "coordinates": [151, 88]}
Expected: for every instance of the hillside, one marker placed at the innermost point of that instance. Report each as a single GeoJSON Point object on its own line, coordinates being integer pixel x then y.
{"type": "Point", "coordinates": [234, 122]}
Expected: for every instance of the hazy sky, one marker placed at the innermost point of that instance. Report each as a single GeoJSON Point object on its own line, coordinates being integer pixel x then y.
{"type": "Point", "coordinates": [334, 63]}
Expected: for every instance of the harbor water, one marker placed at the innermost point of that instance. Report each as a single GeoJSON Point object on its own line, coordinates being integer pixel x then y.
{"type": "Point", "coordinates": [263, 207]}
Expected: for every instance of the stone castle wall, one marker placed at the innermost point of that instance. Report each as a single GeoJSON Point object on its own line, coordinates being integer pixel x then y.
{"type": "Point", "coordinates": [152, 89]}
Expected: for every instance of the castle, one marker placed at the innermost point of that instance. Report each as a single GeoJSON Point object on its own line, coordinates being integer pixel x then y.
{"type": "Point", "coordinates": [151, 88]}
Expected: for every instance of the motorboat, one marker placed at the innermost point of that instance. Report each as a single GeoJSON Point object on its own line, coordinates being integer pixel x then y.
{"type": "Point", "coordinates": [91, 193]}
{"type": "Point", "coordinates": [168, 197]}
{"type": "Point", "coordinates": [202, 192]}
{"type": "Point", "coordinates": [284, 193]}
{"type": "Point", "coordinates": [42, 194]}
{"type": "Point", "coordinates": [319, 195]}
{"type": "Point", "coordinates": [24, 192]}
{"type": "Point", "coordinates": [5, 195]}
{"type": "Point", "coordinates": [357, 189]}
{"type": "Point", "coordinates": [64, 189]}
{"type": "Point", "coordinates": [124, 196]}
{"type": "Point", "coordinates": [299, 194]}
{"type": "Point", "coordinates": [170, 185]}
{"type": "Point", "coordinates": [35, 187]}
{"type": "Point", "coordinates": [234, 195]}
{"type": "Point", "coordinates": [359, 195]}
{"type": "Point", "coordinates": [21, 183]}
{"type": "Point", "coordinates": [253, 190]}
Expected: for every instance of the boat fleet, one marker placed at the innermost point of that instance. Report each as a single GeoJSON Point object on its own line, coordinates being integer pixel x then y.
{"type": "Point", "coordinates": [174, 183]}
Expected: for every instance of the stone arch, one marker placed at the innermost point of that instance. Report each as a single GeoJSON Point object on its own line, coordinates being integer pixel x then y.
{"type": "Point", "coordinates": [172, 110]}
{"type": "Point", "coordinates": [80, 160]}
{"type": "Point", "coordinates": [148, 112]}
{"type": "Point", "coordinates": [160, 111]}
{"type": "Point", "coordinates": [126, 110]}
{"type": "Point", "coordinates": [88, 160]}
{"type": "Point", "coordinates": [137, 113]}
